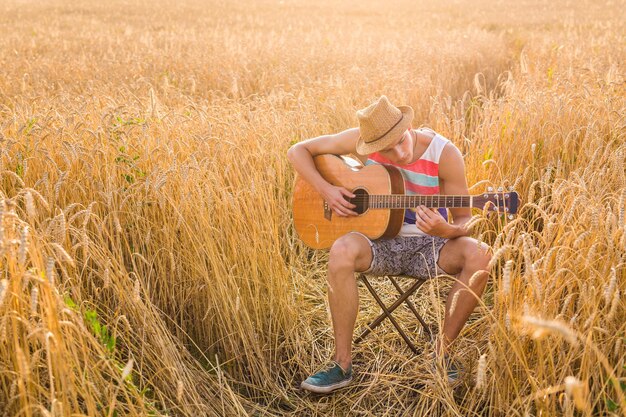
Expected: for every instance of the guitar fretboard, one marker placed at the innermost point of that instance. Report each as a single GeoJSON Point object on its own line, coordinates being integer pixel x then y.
{"type": "Point", "coordinates": [400, 201]}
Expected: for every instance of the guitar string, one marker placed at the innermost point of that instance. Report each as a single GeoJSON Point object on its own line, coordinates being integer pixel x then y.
{"type": "Point", "coordinates": [434, 200]}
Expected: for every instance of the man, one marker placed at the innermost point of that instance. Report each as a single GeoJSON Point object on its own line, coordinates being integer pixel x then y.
{"type": "Point", "coordinates": [428, 245]}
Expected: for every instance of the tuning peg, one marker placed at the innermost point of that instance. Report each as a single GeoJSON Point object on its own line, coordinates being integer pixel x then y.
{"type": "Point", "coordinates": [500, 189]}
{"type": "Point", "coordinates": [490, 189]}
{"type": "Point", "coordinates": [511, 216]}
{"type": "Point", "coordinates": [511, 188]}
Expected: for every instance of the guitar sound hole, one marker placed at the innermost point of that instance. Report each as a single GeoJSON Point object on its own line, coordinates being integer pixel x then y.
{"type": "Point", "coordinates": [361, 200]}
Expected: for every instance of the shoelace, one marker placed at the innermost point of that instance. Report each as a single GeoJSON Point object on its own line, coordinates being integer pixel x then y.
{"type": "Point", "coordinates": [330, 366]}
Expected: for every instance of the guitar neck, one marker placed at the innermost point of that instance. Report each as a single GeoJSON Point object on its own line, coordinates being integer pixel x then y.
{"type": "Point", "coordinates": [401, 201]}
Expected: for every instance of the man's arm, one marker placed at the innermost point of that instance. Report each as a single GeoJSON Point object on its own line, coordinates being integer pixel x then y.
{"type": "Point", "coordinates": [453, 182]}
{"type": "Point", "coordinates": [301, 157]}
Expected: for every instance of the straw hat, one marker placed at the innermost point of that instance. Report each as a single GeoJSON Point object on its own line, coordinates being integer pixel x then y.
{"type": "Point", "coordinates": [380, 124]}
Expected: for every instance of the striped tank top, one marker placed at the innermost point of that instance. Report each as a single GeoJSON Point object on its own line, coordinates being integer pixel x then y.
{"type": "Point", "coordinates": [420, 178]}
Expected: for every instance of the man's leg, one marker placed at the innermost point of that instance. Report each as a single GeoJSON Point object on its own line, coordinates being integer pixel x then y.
{"type": "Point", "coordinates": [349, 254]}
{"type": "Point", "coordinates": [465, 257]}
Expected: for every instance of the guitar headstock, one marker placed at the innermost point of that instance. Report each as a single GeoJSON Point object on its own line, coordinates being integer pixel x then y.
{"type": "Point", "coordinates": [502, 201]}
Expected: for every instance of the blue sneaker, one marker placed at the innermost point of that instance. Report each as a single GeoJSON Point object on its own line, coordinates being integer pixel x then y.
{"type": "Point", "coordinates": [328, 379]}
{"type": "Point", "coordinates": [448, 367]}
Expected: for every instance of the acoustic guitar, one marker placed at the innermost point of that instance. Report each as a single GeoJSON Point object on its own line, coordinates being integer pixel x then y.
{"type": "Point", "coordinates": [379, 198]}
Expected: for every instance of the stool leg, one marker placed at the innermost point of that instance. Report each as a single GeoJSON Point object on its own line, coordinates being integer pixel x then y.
{"type": "Point", "coordinates": [395, 305]}
{"type": "Point", "coordinates": [381, 317]}
{"type": "Point", "coordinates": [387, 314]}
{"type": "Point", "coordinates": [411, 306]}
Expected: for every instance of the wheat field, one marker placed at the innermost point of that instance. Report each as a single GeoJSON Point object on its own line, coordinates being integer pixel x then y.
{"type": "Point", "coordinates": [148, 258]}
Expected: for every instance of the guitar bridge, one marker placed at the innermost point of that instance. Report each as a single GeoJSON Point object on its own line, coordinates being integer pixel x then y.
{"type": "Point", "coordinates": [327, 211]}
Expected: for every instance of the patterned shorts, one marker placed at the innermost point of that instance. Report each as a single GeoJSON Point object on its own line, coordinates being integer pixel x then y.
{"type": "Point", "coordinates": [416, 256]}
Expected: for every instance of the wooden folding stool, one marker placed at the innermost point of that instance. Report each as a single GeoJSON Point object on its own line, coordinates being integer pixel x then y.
{"type": "Point", "coordinates": [403, 298]}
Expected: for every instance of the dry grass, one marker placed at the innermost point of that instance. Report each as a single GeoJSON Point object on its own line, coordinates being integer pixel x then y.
{"type": "Point", "coordinates": [145, 188]}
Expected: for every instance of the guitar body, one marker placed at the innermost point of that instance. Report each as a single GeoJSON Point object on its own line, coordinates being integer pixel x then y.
{"type": "Point", "coordinates": [319, 227]}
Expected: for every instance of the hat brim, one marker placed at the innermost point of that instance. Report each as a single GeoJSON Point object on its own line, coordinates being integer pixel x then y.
{"type": "Point", "coordinates": [365, 148]}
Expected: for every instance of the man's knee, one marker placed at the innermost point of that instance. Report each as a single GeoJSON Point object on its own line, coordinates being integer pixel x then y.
{"type": "Point", "coordinates": [344, 253]}
{"type": "Point", "coordinates": [476, 254]}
